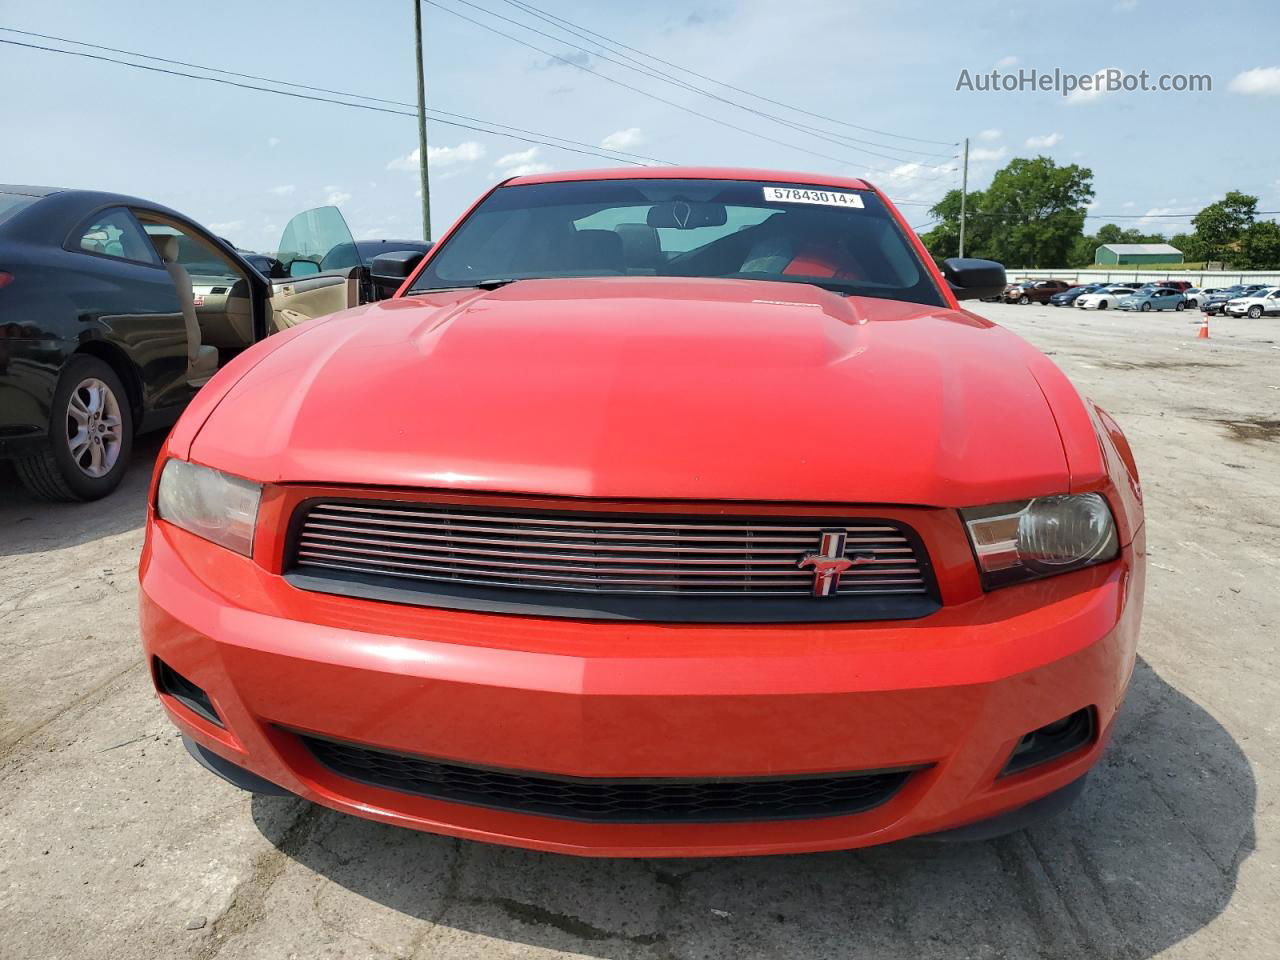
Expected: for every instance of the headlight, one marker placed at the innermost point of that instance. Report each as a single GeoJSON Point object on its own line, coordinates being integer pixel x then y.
{"type": "Point", "coordinates": [217, 506]}
{"type": "Point", "coordinates": [1028, 539]}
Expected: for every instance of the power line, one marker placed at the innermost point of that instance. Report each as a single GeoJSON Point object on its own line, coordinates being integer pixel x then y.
{"type": "Point", "coordinates": [530, 8]}
{"type": "Point", "coordinates": [651, 96]}
{"type": "Point", "coordinates": [650, 72]}
{"type": "Point", "coordinates": [529, 136]}
{"type": "Point", "coordinates": [532, 136]}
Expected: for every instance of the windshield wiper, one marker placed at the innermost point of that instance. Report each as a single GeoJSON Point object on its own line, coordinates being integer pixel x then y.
{"type": "Point", "coordinates": [493, 284]}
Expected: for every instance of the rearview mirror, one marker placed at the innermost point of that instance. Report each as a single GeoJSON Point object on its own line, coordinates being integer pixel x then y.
{"type": "Point", "coordinates": [303, 268]}
{"type": "Point", "coordinates": [973, 279]}
{"type": "Point", "coordinates": [686, 215]}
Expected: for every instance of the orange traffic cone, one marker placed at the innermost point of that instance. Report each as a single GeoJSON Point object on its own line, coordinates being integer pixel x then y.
{"type": "Point", "coordinates": [1204, 328]}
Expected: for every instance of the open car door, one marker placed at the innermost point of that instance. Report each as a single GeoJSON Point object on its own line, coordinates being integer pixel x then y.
{"type": "Point", "coordinates": [325, 271]}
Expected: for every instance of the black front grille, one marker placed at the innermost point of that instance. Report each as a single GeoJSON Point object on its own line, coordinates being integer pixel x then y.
{"type": "Point", "coordinates": [666, 800]}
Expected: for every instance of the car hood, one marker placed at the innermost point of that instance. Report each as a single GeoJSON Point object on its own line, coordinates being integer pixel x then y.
{"type": "Point", "coordinates": [650, 388]}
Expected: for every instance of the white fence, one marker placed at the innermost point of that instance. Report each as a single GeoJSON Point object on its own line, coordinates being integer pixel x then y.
{"type": "Point", "coordinates": [1197, 278]}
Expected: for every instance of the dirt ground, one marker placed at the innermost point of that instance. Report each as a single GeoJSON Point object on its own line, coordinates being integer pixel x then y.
{"type": "Point", "coordinates": [113, 843]}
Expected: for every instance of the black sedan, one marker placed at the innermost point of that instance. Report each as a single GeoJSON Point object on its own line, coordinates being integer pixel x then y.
{"type": "Point", "coordinates": [1068, 297]}
{"type": "Point", "coordinates": [1215, 303]}
{"type": "Point", "coordinates": [114, 311]}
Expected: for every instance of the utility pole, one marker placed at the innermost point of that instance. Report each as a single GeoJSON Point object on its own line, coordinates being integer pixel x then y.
{"type": "Point", "coordinates": [422, 123]}
{"type": "Point", "coordinates": [964, 184]}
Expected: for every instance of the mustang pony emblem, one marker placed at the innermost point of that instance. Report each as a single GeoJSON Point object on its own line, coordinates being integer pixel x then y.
{"type": "Point", "coordinates": [831, 561]}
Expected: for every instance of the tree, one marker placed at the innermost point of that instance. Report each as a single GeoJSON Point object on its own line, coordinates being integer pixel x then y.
{"type": "Point", "coordinates": [1193, 250]}
{"type": "Point", "coordinates": [1083, 251]}
{"type": "Point", "coordinates": [1220, 225]}
{"type": "Point", "coordinates": [1030, 216]}
{"type": "Point", "coordinates": [1042, 208]}
{"type": "Point", "coordinates": [944, 240]}
{"type": "Point", "coordinates": [1259, 247]}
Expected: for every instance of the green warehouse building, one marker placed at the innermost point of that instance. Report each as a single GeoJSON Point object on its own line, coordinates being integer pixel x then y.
{"type": "Point", "coordinates": [1122, 254]}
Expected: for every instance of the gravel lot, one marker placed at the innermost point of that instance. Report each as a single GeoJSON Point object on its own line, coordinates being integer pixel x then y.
{"type": "Point", "coordinates": [115, 844]}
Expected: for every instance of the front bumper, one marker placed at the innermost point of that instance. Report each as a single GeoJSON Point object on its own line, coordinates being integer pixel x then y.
{"type": "Point", "coordinates": [951, 693]}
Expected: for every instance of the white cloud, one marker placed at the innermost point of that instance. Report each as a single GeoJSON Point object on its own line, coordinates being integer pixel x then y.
{"type": "Point", "coordinates": [1264, 80]}
{"type": "Point", "coordinates": [1161, 216]}
{"type": "Point", "coordinates": [990, 134]}
{"type": "Point", "coordinates": [1005, 62]}
{"type": "Point", "coordinates": [516, 159]}
{"type": "Point", "coordinates": [1080, 95]}
{"type": "Point", "coordinates": [336, 197]}
{"type": "Point", "coordinates": [526, 169]}
{"type": "Point", "coordinates": [623, 139]}
{"type": "Point", "coordinates": [273, 141]}
{"type": "Point", "coordinates": [986, 154]}
{"type": "Point", "coordinates": [521, 164]}
{"type": "Point", "coordinates": [1048, 140]}
{"type": "Point", "coordinates": [231, 226]}
{"type": "Point", "coordinates": [1126, 6]}
{"type": "Point", "coordinates": [1128, 204]}
{"type": "Point", "coordinates": [283, 190]}
{"type": "Point", "coordinates": [464, 153]}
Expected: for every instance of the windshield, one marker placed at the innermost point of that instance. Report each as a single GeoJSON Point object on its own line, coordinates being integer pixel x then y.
{"type": "Point", "coordinates": [842, 240]}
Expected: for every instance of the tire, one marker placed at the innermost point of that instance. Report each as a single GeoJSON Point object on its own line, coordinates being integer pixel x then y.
{"type": "Point", "coordinates": [1146, 308]}
{"type": "Point", "coordinates": [89, 463]}
{"type": "Point", "coordinates": [1255, 312]}
{"type": "Point", "coordinates": [1180, 306]}
{"type": "Point", "coordinates": [1024, 299]}
{"type": "Point", "coordinates": [1102, 304]}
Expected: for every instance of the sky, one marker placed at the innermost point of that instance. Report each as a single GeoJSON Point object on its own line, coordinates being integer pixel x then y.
{"type": "Point", "coordinates": [243, 161]}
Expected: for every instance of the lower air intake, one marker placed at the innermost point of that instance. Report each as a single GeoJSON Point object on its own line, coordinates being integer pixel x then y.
{"type": "Point", "coordinates": [613, 800]}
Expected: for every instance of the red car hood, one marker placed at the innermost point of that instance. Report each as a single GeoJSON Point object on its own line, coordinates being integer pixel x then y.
{"type": "Point", "coordinates": [649, 388]}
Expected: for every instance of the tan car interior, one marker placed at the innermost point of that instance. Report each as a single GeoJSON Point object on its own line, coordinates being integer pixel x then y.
{"type": "Point", "coordinates": [202, 358]}
{"type": "Point", "coordinates": [216, 298]}
{"type": "Point", "coordinates": [217, 309]}
{"type": "Point", "coordinates": [295, 301]}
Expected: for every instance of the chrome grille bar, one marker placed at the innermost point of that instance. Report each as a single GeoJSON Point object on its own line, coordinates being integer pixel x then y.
{"type": "Point", "coordinates": [665, 555]}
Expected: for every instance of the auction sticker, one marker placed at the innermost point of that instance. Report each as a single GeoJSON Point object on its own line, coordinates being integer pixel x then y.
{"type": "Point", "coordinates": [829, 198]}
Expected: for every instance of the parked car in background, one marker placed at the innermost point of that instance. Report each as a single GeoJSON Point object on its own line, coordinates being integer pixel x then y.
{"type": "Point", "coordinates": [104, 336]}
{"type": "Point", "coordinates": [265, 264]}
{"type": "Point", "coordinates": [1103, 299]}
{"type": "Point", "coordinates": [1066, 298]}
{"type": "Point", "coordinates": [1181, 285]}
{"type": "Point", "coordinates": [1216, 304]}
{"type": "Point", "coordinates": [1157, 298]}
{"type": "Point", "coordinates": [1264, 302]}
{"type": "Point", "coordinates": [115, 310]}
{"type": "Point", "coordinates": [1003, 296]}
{"type": "Point", "coordinates": [1035, 291]}
{"type": "Point", "coordinates": [518, 491]}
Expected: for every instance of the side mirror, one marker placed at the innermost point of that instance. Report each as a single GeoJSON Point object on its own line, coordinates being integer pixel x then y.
{"type": "Point", "coordinates": [389, 270]}
{"type": "Point", "coordinates": [302, 268]}
{"type": "Point", "coordinates": [973, 279]}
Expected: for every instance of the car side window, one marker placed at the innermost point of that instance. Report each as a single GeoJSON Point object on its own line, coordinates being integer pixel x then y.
{"type": "Point", "coordinates": [114, 233]}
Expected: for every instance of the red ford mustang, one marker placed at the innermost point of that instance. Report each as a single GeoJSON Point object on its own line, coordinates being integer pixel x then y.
{"type": "Point", "coordinates": [679, 512]}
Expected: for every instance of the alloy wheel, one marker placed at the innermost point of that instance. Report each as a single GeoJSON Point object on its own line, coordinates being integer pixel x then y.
{"type": "Point", "coordinates": [95, 429]}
